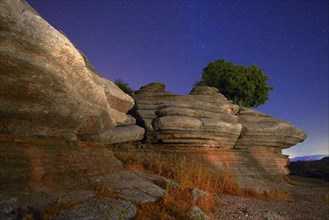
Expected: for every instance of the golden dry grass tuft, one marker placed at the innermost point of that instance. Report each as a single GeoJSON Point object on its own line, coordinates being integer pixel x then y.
{"type": "Point", "coordinates": [174, 205]}
{"type": "Point", "coordinates": [276, 193]}
{"type": "Point", "coordinates": [324, 198]}
{"type": "Point", "coordinates": [190, 173]}
{"type": "Point", "coordinates": [27, 216]}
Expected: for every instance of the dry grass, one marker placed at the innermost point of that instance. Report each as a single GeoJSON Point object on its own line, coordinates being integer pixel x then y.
{"type": "Point", "coordinates": [107, 191]}
{"type": "Point", "coordinates": [57, 208]}
{"type": "Point", "coordinates": [276, 193]}
{"type": "Point", "coordinates": [324, 198]}
{"type": "Point", "coordinates": [27, 216]}
{"type": "Point", "coordinates": [174, 205]}
{"type": "Point", "coordinates": [190, 173]}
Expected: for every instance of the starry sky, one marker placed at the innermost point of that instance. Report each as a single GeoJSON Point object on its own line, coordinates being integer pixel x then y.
{"type": "Point", "coordinates": [172, 41]}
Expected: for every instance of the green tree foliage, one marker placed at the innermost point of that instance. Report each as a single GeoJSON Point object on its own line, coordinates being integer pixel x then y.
{"type": "Point", "coordinates": [124, 86]}
{"type": "Point", "coordinates": [245, 86]}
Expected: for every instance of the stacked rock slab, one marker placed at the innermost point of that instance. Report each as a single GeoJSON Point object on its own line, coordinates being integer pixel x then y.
{"type": "Point", "coordinates": [265, 137]}
{"type": "Point", "coordinates": [48, 88]}
{"type": "Point", "coordinates": [204, 118]}
{"type": "Point", "coordinates": [261, 130]}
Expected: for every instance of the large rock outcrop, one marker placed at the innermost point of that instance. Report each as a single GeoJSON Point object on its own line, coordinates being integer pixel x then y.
{"type": "Point", "coordinates": [48, 88]}
{"type": "Point", "coordinates": [204, 118]}
{"type": "Point", "coordinates": [51, 102]}
{"type": "Point", "coordinates": [261, 130]}
{"type": "Point", "coordinates": [246, 142]}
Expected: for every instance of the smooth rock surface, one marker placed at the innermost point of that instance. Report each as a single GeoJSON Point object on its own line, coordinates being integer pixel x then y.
{"type": "Point", "coordinates": [47, 87]}
{"type": "Point", "coordinates": [104, 208]}
{"type": "Point", "coordinates": [130, 185]}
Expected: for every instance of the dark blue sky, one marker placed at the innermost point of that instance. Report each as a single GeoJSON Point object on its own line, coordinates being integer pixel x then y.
{"type": "Point", "coordinates": [172, 41]}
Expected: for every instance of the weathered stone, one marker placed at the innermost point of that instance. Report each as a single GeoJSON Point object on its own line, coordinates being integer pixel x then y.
{"type": "Point", "coordinates": [44, 172]}
{"type": "Point", "coordinates": [203, 90]}
{"type": "Point", "coordinates": [197, 194]}
{"type": "Point", "coordinates": [117, 135]}
{"type": "Point", "coordinates": [195, 213]}
{"type": "Point", "coordinates": [7, 206]}
{"type": "Point", "coordinates": [261, 130]}
{"type": "Point", "coordinates": [47, 163]}
{"type": "Point", "coordinates": [203, 118]}
{"type": "Point", "coordinates": [104, 208]}
{"type": "Point", "coordinates": [249, 143]}
{"type": "Point", "coordinates": [47, 87]}
{"type": "Point", "coordinates": [130, 186]}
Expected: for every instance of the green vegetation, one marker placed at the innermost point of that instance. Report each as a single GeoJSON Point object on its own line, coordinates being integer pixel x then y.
{"type": "Point", "coordinates": [245, 86]}
{"type": "Point", "coordinates": [124, 86]}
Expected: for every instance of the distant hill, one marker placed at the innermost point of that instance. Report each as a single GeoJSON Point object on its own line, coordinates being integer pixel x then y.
{"type": "Point", "coordinates": [318, 169]}
{"type": "Point", "coordinates": [309, 157]}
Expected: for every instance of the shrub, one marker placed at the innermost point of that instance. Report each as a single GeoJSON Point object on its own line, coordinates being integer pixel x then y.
{"type": "Point", "coordinates": [124, 86]}
{"type": "Point", "coordinates": [245, 86]}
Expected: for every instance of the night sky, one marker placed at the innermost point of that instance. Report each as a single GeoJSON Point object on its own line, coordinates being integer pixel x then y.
{"type": "Point", "coordinates": [172, 41]}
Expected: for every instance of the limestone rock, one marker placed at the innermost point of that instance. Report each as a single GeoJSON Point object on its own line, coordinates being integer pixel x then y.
{"type": "Point", "coordinates": [104, 208]}
{"type": "Point", "coordinates": [37, 174]}
{"type": "Point", "coordinates": [117, 135]}
{"type": "Point", "coordinates": [197, 194]}
{"type": "Point", "coordinates": [245, 142]}
{"type": "Point", "coordinates": [205, 118]}
{"type": "Point", "coordinates": [195, 213]}
{"type": "Point", "coordinates": [261, 130]}
{"type": "Point", "coordinates": [47, 87]}
{"type": "Point", "coordinates": [7, 206]}
{"type": "Point", "coordinates": [130, 186]}
{"type": "Point", "coordinates": [203, 90]}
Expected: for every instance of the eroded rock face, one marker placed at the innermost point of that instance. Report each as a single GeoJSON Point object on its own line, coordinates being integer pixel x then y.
{"type": "Point", "coordinates": [43, 173]}
{"type": "Point", "coordinates": [51, 102]}
{"type": "Point", "coordinates": [261, 130]}
{"type": "Point", "coordinates": [47, 87]}
{"type": "Point", "coordinates": [246, 142]}
{"type": "Point", "coordinates": [205, 118]}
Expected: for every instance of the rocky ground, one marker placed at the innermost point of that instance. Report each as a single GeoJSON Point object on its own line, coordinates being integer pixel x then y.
{"type": "Point", "coordinates": [233, 207]}
{"type": "Point", "coordinates": [309, 200]}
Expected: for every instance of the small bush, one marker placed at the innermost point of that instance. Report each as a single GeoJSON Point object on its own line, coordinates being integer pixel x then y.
{"type": "Point", "coordinates": [124, 86]}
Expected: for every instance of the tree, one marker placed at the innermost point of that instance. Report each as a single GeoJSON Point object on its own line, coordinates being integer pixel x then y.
{"type": "Point", "coordinates": [124, 86]}
{"type": "Point", "coordinates": [245, 86]}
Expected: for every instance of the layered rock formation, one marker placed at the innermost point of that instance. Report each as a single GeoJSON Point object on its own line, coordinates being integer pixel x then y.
{"type": "Point", "coordinates": [48, 88]}
{"type": "Point", "coordinates": [244, 141]}
{"type": "Point", "coordinates": [205, 118]}
{"type": "Point", "coordinates": [51, 102]}
{"type": "Point", "coordinates": [261, 130]}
